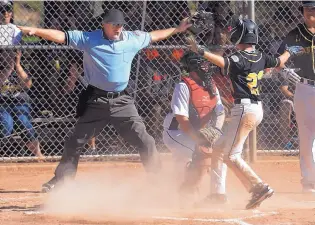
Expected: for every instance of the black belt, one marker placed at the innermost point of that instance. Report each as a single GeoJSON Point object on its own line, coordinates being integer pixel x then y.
{"type": "Point", "coordinates": [111, 94]}
{"type": "Point", "coordinates": [239, 101]}
{"type": "Point", "coordinates": [307, 81]}
{"type": "Point", "coordinates": [106, 94]}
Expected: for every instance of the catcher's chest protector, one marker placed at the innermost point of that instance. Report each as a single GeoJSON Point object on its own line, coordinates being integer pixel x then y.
{"type": "Point", "coordinates": [200, 103]}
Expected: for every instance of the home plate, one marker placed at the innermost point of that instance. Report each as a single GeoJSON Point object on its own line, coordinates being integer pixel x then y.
{"type": "Point", "coordinates": [238, 221]}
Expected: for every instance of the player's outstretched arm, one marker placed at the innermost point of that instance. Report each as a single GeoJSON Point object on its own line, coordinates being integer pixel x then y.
{"type": "Point", "coordinates": [213, 58]}
{"type": "Point", "coordinates": [47, 34]}
{"type": "Point", "coordinates": [283, 59]}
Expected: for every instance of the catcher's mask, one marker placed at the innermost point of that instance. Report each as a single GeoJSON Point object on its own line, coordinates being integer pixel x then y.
{"type": "Point", "coordinates": [192, 62]}
{"type": "Point", "coordinates": [243, 31]}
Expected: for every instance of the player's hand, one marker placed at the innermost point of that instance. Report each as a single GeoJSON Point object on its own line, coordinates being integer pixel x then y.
{"type": "Point", "coordinates": [290, 75]}
{"type": "Point", "coordinates": [183, 26]}
{"type": "Point", "coordinates": [193, 45]}
{"type": "Point", "coordinates": [28, 30]}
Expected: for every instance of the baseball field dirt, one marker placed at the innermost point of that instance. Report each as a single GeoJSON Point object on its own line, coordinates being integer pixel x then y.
{"type": "Point", "coordinates": [121, 193]}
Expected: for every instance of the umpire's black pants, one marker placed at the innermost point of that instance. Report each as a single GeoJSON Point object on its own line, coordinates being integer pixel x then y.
{"type": "Point", "coordinates": [95, 110]}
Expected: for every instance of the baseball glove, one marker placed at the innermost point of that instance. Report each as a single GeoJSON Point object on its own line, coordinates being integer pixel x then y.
{"type": "Point", "coordinates": [208, 136]}
{"type": "Point", "coordinates": [201, 21]}
{"type": "Point", "coordinates": [295, 50]}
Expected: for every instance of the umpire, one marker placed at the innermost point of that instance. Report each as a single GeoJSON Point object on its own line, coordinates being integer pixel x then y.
{"type": "Point", "coordinates": [108, 54]}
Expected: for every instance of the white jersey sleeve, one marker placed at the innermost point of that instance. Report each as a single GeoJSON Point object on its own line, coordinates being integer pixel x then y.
{"type": "Point", "coordinates": [219, 108]}
{"type": "Point", "coordinates": [180, 100]}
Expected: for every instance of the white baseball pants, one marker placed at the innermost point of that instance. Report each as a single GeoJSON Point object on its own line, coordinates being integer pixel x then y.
{"type": "Point", "coordinates": [304, 105]}
{"type": "Point", "coordinates": [244, 118]}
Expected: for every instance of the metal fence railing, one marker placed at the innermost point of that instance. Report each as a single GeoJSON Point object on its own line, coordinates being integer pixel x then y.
{"type": "Point", "coordinates": [57, 74]}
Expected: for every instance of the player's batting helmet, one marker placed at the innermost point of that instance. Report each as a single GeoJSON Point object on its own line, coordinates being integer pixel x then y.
{"type": "Point", "coordinates": [244, 31]}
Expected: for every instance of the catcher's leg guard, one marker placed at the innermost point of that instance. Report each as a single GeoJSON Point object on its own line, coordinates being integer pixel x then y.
{"type": "Point", "coordinates": [196, 169]}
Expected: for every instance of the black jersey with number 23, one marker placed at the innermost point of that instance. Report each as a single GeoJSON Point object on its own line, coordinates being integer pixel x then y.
{"type": "Point", "coordinates": [246, 69]}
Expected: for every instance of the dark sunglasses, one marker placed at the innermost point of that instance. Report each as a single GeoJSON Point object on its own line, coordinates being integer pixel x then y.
{"type": "Point", "coordinates": [5, 9]}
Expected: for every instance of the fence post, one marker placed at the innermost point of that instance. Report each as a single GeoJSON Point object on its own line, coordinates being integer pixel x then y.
{"type": "Point", "coordinates": [144, 12]}
{"type": "Point", "coordinates": [253, 134]}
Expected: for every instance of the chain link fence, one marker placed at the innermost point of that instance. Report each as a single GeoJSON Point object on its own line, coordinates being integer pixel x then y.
{"type": "Point", "coordinates": [37, 113]}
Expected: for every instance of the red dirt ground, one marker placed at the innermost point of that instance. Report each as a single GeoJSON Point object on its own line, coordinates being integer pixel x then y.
{"type": "Point", "coordinates": [121, 193]}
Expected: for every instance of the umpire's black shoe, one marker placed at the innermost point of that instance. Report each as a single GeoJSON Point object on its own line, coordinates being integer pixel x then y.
{"type": "Point", "coordinates": [259, 193]}
{"type": "Point", "coordinates": [47, 187]}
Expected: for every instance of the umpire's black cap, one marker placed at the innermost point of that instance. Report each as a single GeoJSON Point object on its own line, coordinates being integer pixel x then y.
{"type": "Point", "coordinates": [308, 3]}
{"type": "Point", "coordinates": [114, 16]}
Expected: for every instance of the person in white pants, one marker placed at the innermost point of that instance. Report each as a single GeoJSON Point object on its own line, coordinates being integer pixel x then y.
{"type": "Point", "coordinates": [245, 68]}
{"type": "Point", "coordinates": [304, 97]}
{"type": "Point", "coordinates": [195, 104]}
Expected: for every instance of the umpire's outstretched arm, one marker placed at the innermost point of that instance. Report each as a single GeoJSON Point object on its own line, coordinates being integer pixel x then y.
{"type": "Point", "coordinates": [47, 34]}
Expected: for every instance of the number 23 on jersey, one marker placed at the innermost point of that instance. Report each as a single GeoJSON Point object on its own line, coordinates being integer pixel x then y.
{"type": "Point", "coordinates": [252, 82]}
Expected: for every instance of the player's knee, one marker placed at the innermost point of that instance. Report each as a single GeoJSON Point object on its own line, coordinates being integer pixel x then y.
{"type": "Point", "coordinates": [233, 158]}
{"type": "Point", "coordinates": [249, 124]}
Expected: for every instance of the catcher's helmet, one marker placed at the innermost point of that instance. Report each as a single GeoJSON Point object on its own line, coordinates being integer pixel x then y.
{"type": "Point", "coordinates": [6, 6]}
{"type": "Point", "coordinates": [244, 31]}
{"type": "Point", "coordinates": [193, 62]}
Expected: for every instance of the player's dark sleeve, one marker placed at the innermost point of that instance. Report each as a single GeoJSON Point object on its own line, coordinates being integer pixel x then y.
{"type": "Point", "coordinates": [271, 61]}
{"type": "Point", "coordinates": [232, 63]}
{"type": "Point", "coordinates": [288, 40]}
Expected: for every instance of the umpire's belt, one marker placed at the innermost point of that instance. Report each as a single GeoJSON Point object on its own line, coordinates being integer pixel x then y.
{"type": "Point", "coordinates": [107, 94]}
{"type": "Point", "coordinates": [307, 81]}
{"type": "Point", "coordinates": [245, 100]}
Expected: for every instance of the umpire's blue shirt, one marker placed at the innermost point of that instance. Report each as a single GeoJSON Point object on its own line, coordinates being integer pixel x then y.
{"type": "Point", "coordinates": [107, 63]}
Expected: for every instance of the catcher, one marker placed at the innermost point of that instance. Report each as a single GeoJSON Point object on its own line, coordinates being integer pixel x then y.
{"type": "Point", "coordinates": [194, 125]}
{"type": "Point", "coordinates": [245, 68]}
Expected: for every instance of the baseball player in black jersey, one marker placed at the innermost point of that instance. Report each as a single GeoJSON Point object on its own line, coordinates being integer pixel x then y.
{"type": "Point", "coordinates": [304, 97]}
{"type": "Point", "coordinates": [245, 68]}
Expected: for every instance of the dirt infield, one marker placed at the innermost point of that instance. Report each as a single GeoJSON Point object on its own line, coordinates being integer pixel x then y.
{"type": "Point", "coordinates": [121, 193]}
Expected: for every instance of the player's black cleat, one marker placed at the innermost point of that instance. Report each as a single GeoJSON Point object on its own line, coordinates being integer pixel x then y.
{"type": "Point", "coordinates": [259, 193]}
{"type": "Point", "coordinates": [47, 187]}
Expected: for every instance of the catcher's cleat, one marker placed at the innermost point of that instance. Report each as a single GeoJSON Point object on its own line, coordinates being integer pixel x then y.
{"type": "Point", "coordinates": [47, 187]}
{"type": "Point", "coordinates": [259, 193]}
{"type": "Point", "coordinates": [213, 199]}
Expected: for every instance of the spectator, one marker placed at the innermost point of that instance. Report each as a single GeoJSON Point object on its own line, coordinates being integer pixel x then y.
{"type": "Point", "coordinates": [287, 123]}
{"type": "Point", "coordinates": [15, 108]}
{"type": "Point", "coordinates": [14, 101]}
{"type": "Point", "coordinates": [219, 35]}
